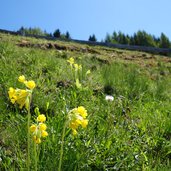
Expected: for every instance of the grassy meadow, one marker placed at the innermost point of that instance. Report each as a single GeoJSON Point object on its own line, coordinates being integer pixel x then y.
{"type": "Point", "coordinates": [131, 132]}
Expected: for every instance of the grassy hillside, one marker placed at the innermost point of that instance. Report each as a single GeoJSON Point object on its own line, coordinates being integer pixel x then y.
{"type": "Point", "coordinates": [132, 132]}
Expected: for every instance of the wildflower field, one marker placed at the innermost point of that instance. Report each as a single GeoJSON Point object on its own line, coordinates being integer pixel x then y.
{"type": "Point", "coordinates": [72, 107]}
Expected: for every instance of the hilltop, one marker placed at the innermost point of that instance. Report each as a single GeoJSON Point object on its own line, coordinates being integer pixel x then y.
{"type": "Point", "coordinates": [65, 45]}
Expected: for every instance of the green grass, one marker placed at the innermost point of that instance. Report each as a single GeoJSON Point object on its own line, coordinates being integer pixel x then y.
{"type": "Point", "coordinates": [133, 132]}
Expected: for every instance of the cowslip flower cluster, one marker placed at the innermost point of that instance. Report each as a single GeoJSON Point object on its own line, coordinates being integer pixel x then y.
{"type": "Point", "coordinates": [29, 84]}
{"type": "Point", "coordinates": [88, 72]}
{"type": "Point", "coordinates": [77, 117]}
{"type": "Point", "coordinates": [74, 65]}
{"type": "Point", "coordinates": [22, 96]}
{"type": "Point", "coordinates": [38, 130]}
{"type": "Point", "coordinates": [75, 68]}
{"type": "Point", "coordinates": [71, 61]}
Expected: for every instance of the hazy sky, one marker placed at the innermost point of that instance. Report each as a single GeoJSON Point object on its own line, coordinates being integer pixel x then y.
{"type": "Point", "coordinates": [82, 18]}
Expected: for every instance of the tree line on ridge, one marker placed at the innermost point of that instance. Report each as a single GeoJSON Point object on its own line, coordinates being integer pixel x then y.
{"type": "Point", "coordinates": [140, 38]}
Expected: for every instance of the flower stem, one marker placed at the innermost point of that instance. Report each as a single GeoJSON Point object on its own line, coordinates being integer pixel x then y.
{"type": "Point", "coordinates": [35, 155]}
{"type": "Point", "coordinates": [28, 140]}
{"type": "Point", "coordinates": [62, 145]}
{"type": "Point", "coordinates": [28, 135]}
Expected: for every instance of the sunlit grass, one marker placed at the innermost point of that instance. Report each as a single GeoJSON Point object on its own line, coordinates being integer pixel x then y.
{"type": "Point", "coordinates": [130, 132]}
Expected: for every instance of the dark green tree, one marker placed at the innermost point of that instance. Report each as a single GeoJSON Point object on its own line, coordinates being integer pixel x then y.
{"type": "Point", "coordinates": [142, 38]}
{"type": "Point", "coordinates": [108, 38]}
{"type": "Point", "coordinates": [156, 40]}
{"type": "Point", "coordinates": [92, 38]}
{"type": "Point", "coordinates": [122, 38]}
{"type": "Point", "coordinates": [35, 31]}
{"type": "Point", "coordinates": [132, 40]}
{"type": "Point", "coordinates": [57, 33]}
{"type": "Point", "coordinates": [67, 35]}
{"type": "Point", "coordinates": [32, 31]}
{"type": "Point", "coordinates": [21, 31]}
{"type": "Point", "coordinates": [164, 41]}
{"type": "Point", "coordinates": [114, 37]}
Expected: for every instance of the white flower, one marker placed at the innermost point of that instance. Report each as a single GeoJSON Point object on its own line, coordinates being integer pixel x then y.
{"type": "Point", "coordinates": [109, 98]}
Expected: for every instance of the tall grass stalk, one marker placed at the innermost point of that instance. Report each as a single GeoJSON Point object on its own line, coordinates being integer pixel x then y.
{"type": "Point", "coordinates": [62, 146]}
{"type": "Point", "coordinates": [35, 155]}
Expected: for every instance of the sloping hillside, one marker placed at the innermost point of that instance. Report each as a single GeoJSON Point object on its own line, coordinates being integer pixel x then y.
{"type": "Point", "coordinates": [85, 129]}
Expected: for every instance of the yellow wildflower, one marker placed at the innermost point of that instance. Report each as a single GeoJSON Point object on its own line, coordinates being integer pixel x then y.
{"type": "Point", "coordinates": [41, 118]}
{"type": "Point", "coordinates": [13, 101]}
{"type": "Point", "coordinates": [77, 83]}
{"type": "Point", "coordinates": [19, 96]}
{"type": "Point", "coordinates": [77, 117]}
{"type": "Point", "coordinates": [12, 95]}
{"type": "Point", "coordinates": [22, 98]}
{"type": "Point", "coordinates": [36, 140]}
{"type": "Point", "coordinates": [84, 123]}
{"type": "Point", "coordinates": [71, 61]}
{"type": "Point", "coordinates": [11, 92]}
{"type": "Point", "coordinates": [42, 126]}
{"type": "Point", "coordinates": [30, 84]}
{"type": "Point", "coordinates": [82, 111]}
{"type": "Point", "coordinates": [33, 128]}
{"type": "Point", "coordinates": [73, 125]}
{"type": "Point", "coordinates": [21, 79]}
{"type": "Point", "coordinates": [78, 120]}
{"type": "Point", "coordinates": [88, 72]}
{"type": "Point", "coordinates": [80, 67]}
{"type": "Point", "coordinates": [76, 67]}
{"type": "Point", "coordinates": [44, 134]}
{"type": "Point", "coordinates": [74, 132]}
{"type": "Point", "coordinates": [39, 130]}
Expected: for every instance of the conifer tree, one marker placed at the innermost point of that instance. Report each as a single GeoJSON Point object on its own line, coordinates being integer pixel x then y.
{"type": "Point", "coordinates": [57, 33]}
{"type": "Point", "coordinates": [92, 38]}
{"type": "Point", "coordinates": [67, 35]}
{"type": "Point", "coordinates": [164, 41]}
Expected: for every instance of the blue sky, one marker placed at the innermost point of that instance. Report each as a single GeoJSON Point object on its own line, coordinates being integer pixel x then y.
{"type": "Point", "coordinates": [83, 18]}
